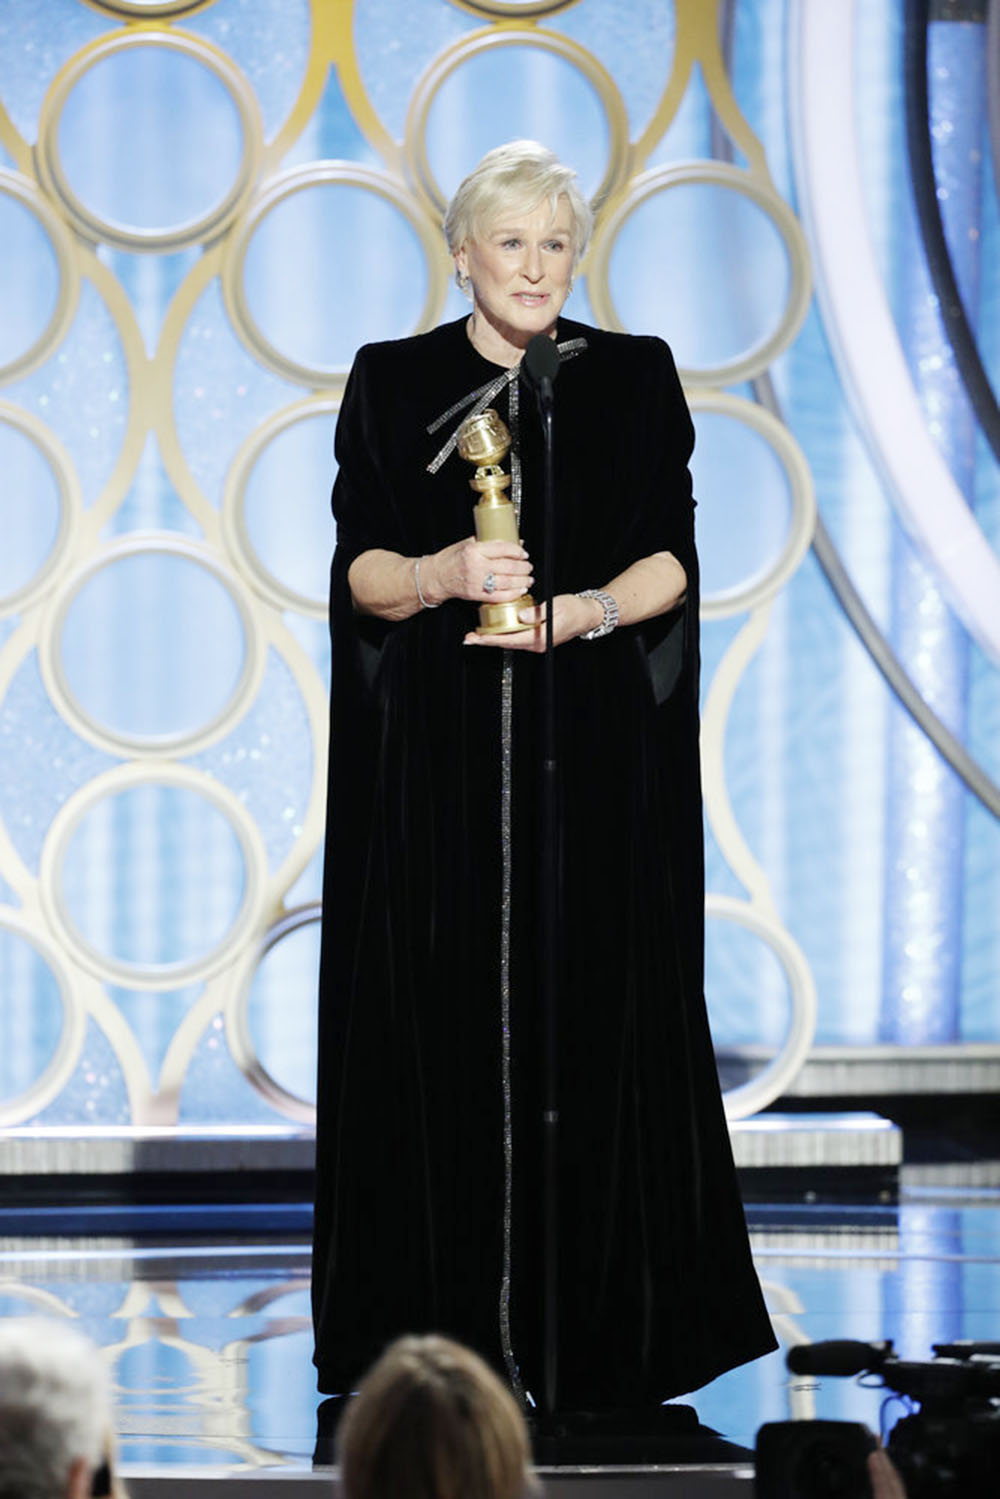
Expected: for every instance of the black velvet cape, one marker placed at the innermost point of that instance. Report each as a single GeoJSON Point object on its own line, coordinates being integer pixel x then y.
{"type": "Point", "coordinates": [657, 1292]}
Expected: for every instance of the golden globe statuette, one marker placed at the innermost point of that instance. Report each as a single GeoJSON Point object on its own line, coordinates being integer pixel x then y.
{"type": "Point", "coordinates": [485, 441]}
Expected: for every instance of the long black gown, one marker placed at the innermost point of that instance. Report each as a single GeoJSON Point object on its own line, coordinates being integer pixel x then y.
{"type": "Point", "coordinates": [429, 1192]}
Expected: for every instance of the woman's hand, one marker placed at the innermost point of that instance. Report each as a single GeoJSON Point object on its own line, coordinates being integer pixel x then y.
{"type": "Point", "coordinates": [461, 571]}
{"type": "Point", "coordinates": [571, 616]}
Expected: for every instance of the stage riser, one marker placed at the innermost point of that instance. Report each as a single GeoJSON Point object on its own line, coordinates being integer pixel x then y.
{"type": "Point", "coordinates": [765, 1141]}
{"type": "Point", "coordinates": [692, 1482]}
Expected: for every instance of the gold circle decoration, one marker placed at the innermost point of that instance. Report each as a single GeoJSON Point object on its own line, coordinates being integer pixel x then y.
{"type": "Point", "coordinates": [24, 191]}
{"type": "Point", "coordinates": [284, 185]}
{"type": "Point", "coordinates": [142, 747]}
{"type": "Point", "coordinates": [60, 1066]}
{"type": "Point", "coordinates": [234, 506]}
{"type": "Point", "coordinates": [159, 774]}
{"type": "Point", "coordinates": [714, 174]}
{"type": "Point", "coordinates": [123, 236]}
{"type": "Point", "coordinates": [759, 589]}
{"type": "Point", "coordinates": [474, 45]}
{"type": "Point", "coordinates": [238, 1036]}
{"type": "Point", "coordinates": [70, 505]}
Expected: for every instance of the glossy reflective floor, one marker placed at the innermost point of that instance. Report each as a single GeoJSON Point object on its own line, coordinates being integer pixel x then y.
{"type": "Point", "coordinates": [209, 1343]}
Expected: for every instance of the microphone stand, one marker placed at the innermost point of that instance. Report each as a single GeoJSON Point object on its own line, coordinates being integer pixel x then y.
{"type": "Point", "coordinates": [541, 363]}
{"type": "Point", "coordinates": [550, 917]}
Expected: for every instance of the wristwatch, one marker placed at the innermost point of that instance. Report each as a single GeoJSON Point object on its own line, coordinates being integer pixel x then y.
{"type": "Point", "coordinates": [610, 606]}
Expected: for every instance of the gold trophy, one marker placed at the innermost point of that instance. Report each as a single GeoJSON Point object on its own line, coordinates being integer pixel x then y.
{"type": "Point", "coordinates": [484, 441]}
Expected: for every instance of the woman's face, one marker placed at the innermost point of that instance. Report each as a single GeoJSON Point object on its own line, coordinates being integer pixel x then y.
{"type": "Point", "coordinates": [521, 270]}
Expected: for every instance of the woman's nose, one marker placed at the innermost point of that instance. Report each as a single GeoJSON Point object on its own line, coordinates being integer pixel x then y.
{"type": "Point", "coordinates": [532, 265]}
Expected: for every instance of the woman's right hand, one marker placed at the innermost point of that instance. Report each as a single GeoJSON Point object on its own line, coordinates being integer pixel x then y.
{"type": "Point", "coordinates": [460, 571]}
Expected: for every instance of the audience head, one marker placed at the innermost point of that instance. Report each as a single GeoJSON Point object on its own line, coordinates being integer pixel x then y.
{"type": "Point", "coordinates": [432, 1421]}
{"type": "Point", "coordinates": [55, 1411]}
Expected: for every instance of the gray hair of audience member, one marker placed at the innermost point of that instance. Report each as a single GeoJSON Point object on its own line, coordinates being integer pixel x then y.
{"type": "Point", "coordinates": [55, 1409]}
{"type": "Point", "coordinates": [432, 1421]}
{"type": "Point", "coordinates": [512, 178]}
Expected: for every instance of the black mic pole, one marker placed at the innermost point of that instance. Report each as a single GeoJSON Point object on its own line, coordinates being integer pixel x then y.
{"type": "Point", "coordinates": [541, 365]}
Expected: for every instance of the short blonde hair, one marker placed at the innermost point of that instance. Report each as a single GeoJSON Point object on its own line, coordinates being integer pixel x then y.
{"type": "Point", "coordinates": [515, 176]}
{"type": "Point", "coordinates": [432, 1421]}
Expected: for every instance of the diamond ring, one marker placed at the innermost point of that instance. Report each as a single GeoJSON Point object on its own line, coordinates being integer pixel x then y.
{"type": "Point", "coordinates": [489, 582]}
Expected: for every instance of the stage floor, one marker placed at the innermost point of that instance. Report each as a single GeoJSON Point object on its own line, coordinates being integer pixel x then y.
{"type": "Point", "coordinates": [209, 1342]}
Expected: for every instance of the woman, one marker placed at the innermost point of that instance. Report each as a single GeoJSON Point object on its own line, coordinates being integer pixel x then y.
{"type": "Point", "coordinates": [431, 1421]}
{"type": "Point", "coordinates": [430, 1188]}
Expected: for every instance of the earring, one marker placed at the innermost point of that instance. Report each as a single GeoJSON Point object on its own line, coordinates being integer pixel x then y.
{"type": "Point", "coordinates": [463, 280]}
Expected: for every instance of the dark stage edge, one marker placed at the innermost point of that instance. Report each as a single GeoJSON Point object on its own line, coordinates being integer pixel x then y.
{"type": "Point", "coordinates": [680, 1481]}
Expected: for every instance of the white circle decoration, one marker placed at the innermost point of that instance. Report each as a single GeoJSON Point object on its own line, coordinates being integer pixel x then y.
{"type": "Point", "coordinates": [772, 1081]}
{"type": "Point", "coordinates": [168, 642]}
{"type": "Point", "coordinates": [154, 173]}
{"type": "Point", "coordinates": [751, 361]}
{"type": "Point", "coordinates": [278, 534]}
{"type": "Point", "coordinates": [124, 935]}
{"type": "Point", "coordinates": [490, 42]}
{"type": "Point", "coordinates": [238, 1023]}
{"type": "Point", "coordinates": [338, 268]}
{"type": "Point", "coordinates": [763, 585]}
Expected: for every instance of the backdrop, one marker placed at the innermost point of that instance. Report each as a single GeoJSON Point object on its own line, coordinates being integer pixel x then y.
{"type": "Point", "coordinates": [205, 207]}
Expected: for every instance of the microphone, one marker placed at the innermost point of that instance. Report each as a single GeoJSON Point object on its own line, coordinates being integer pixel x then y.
{"type": "Point", "coordinates": [837, 1356]}
{"type": "Point", "coordinates": [541, 366]}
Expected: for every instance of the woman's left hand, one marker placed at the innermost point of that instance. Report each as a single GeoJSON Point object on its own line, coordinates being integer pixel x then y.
{"type": "Point", "coordinates": [571, 616]}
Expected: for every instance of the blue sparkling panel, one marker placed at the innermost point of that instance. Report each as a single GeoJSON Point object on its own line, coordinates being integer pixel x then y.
{"type": "Point", "coordinates": [152, 503]}
{"type": "Point", "coordinates": [758, 73]}
{"type": "Point", "coordinates": [287, 507]}
{"type": "Point", "coordinates": [176, 638]}
{"type": "Point", "coordinates": [215, 1090]}
{"type": "Point", "coordinates": [96, 1093]}
{"type": "Point", "coordinates": [153, 875]}
{"type": "Point", "coordinates": [331, 133]}
{"type": "Point", "coordinates": [29, 509]}
{"type": "Point", "coordinates": [331, 267]}
{"type": "Point", "coordinates": [742, 522]}
{"type": "Point", "coordinates": [634, 39]}
{"type": "Point", "coordinates": [282, 1011]}
{"type": "Point", "coordinates": [220, 393]}
{"type": "Point", "coordinates": [512, 93]}
{"type": "Point", "coordinates": [31, 1015]}
{"type": "Point", "coordinates": [29, 278]}
{"type": "Point", "coordinates": [149, 282]}
{"type": "Point", "coordinates": [35, 40]}
{"type": "Point", "coordinates": [395, 44]}
{"type": "Point", "coordinates": [704, 267]}
{"type": "Point", "coordinates": [269, 40]}
{"type": "Point", "coordinates": [267, 760]}
{"type": "Point", "coordinates": [81, 391]}
{"type": "Point", "coordinates": [44, 762]}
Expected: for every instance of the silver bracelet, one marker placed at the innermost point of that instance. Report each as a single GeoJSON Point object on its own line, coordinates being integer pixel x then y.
{"type": "Point", "coordinates": [609, 604]}
{"type": "Point", "coordinates": [416, 578]}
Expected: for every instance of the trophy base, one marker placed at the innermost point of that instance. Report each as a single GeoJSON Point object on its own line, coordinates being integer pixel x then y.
{"type": "Point", "coordinates": [501, 619]}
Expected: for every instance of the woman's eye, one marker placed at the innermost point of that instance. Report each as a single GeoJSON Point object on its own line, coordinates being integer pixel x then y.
{"type": "Point", "coordinates": [510, 244]}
